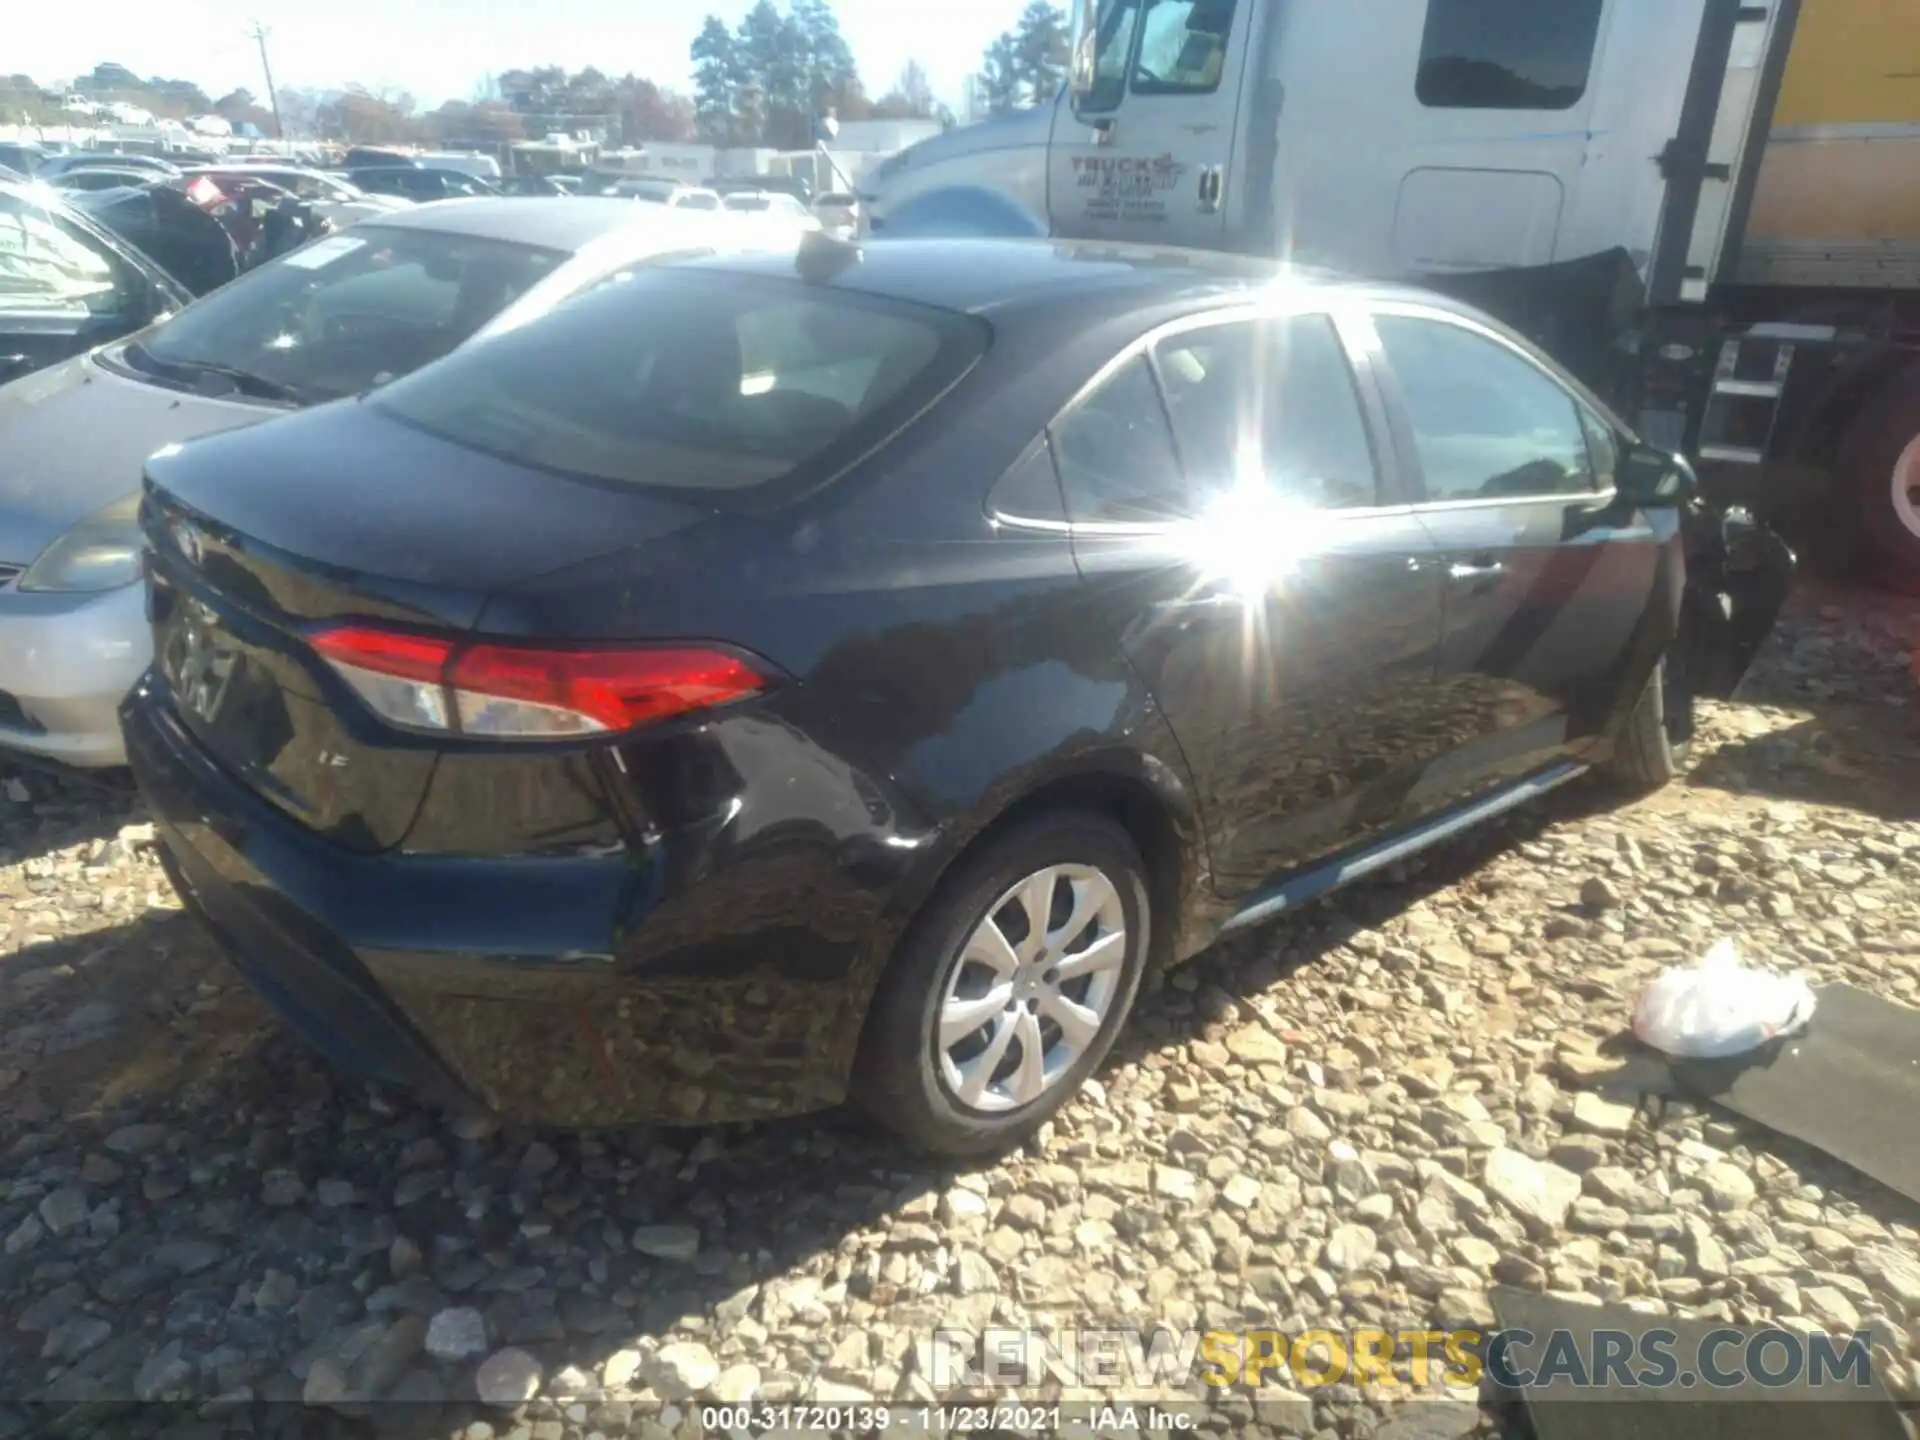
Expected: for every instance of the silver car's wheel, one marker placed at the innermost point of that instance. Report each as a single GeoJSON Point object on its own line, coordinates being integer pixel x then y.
{"type": "Point", "coordinates": [1031, 989]}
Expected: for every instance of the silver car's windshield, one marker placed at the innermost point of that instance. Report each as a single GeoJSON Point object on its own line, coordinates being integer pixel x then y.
{"type": "Point", "coordinates": [343, 314]}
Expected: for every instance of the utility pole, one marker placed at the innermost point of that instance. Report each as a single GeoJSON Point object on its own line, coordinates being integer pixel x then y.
{"type": "Point", "coordinates": [260, 33]}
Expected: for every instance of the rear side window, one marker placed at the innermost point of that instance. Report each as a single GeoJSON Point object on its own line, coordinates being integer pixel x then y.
{"type": "Point", "coordinates": [46, 268]}
{"type": "Point", "coordinates": [1285, 383]}
{"type": "Point", "coordinates": [680, 380]}
{"type": "Point", "coordinates": [1507, 54]}
{"type": "Point", "coordinates": [1116, 456]}
{"type": "Point", "coordinates": [1487, 422]}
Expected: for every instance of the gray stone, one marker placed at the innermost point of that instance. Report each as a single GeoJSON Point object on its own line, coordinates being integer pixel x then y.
{"type": "Point", "coordinates": [332, 1193]}
{"type": "Point", "coordinates": [456, 1334]}
{"type": "Point", "coordinates": [276, 1290]}
{"type": "Point", "coordinates": [507, 1379]}
{"type": "Point", "coordinates": [282, 1188]}
{"type": "Point", "coordinates": [190, 1257]}
{"type": "Point", "coordinates": [64, 1209]}
{"type": "Point", "coordinates": [71, 1339]}
{"type": "Point", "coordinates": [162, 1376]}
{"type": "Point", "coordinates": [1350, 1247]}
{"type": "Point", "coordinates": [1597, 893]}
{"type": "Point", "coordinates": [1540, 1194]}
{"type": "Point", "coordinates": [973, 1274]}
{"type": "Point", "coordinates": [667, 1242]}
{"type": "Point", "coordinates": [137, 1139]}
{"type": "Point", "coordinates": [681, 1370]}
{"type": "Point", "coordinates": [1726, 1187]}
{"type": "Point", "coordinates": [736, 1384]}
{"type": "Point", "coordinates": [1601, 1116]}
{"type": "Point", "coordinates": [24, 1236]}
{"type": "Point", "coordinates": [1430, 1420]}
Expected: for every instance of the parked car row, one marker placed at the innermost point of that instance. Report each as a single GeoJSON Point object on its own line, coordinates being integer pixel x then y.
{"type": "Point", "coordinates": [609, 666]}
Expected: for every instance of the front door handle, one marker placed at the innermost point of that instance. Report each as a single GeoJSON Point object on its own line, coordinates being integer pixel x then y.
{"type": "Point", "coordinates": [1479, 574]}
{"type": "Point", "coordinates": [1213, 184]}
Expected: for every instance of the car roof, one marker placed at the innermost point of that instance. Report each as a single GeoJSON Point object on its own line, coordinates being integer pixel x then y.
{"type": "Point", "coordinates": [980, 275]}
{"type": "Point", "coordinates": [533, 219]}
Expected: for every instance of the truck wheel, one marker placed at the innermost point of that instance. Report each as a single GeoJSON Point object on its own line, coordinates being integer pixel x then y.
{"type": "Point", "coordinates": [1652, 748]}
{"type": "Point", "coordinates": [1883, 472]}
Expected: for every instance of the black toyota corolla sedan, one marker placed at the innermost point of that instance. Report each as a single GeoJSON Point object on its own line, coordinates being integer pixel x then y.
{"type": "Point", "coordinates": [767, 681]}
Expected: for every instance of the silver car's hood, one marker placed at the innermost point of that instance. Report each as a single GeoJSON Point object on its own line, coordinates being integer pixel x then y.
{"type": "Point", "coordinates": [73, 438]}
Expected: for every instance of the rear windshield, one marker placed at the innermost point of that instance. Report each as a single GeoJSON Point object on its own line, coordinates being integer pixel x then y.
{"type": "Point", "coordinates": [684, 380]}
{"type": "Point", "coordinates": [347, 312]}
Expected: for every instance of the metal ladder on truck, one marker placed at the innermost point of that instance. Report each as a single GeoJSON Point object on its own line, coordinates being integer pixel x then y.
{"type": "Point", "coordinates": [1752, 369]}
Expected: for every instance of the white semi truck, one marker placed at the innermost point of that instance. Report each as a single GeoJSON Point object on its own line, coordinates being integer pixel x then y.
{"type": "Point", "coordinates": [1708, 209]}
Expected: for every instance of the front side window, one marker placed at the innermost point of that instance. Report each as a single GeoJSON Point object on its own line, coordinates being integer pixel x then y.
{"type": "Point", "coordinates": [346, 312]}
{"type": "Point", "coordinates": [1113, 42]}
{"type": "Point", "coordinates": [1116, 456]}
{"type": "Point", "coordinates": [48, 268]}
{"type": "Point", "coordinates": [1487, 423]}
{"type": "Point", "coordinates": [1274, 397]}
{"type": "Point", "coordinates": [685, 380]}
{"type": "Point", "coordinates": [1507, 54]}
{"type": "Point", "coordinates": [1183, 47]}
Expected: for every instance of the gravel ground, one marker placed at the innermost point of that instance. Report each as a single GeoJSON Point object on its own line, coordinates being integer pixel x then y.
{"type": "Point", "coordinates": [1366, 1115]}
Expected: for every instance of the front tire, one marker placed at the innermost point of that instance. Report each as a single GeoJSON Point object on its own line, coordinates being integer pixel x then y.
{"type": "Point", "coordinates": [1010, 987]}
{"type": "Point", "coordinates": [1652, 748]}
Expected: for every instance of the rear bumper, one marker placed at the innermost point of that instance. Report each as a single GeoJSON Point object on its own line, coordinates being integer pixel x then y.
{"type": "Point", "coordinates": [479, 979]}
{"type": "Point", "coordinates": [66, 662]}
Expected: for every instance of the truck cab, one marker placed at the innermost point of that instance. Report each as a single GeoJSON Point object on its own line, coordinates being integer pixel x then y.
{"type": "Point", "coordinates": [1425, 136]}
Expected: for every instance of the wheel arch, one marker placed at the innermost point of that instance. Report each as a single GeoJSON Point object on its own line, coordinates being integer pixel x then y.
{"type": "Point", "coordinates": [1826, 432]}
{"type": "Point", "coordinates": [1147, 796]}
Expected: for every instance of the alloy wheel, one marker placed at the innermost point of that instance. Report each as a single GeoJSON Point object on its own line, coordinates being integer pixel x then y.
{"type": "Point", "coordinates": [1031, 989]}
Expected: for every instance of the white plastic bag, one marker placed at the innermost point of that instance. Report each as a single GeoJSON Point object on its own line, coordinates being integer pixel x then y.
{"type": "Point", "coordinates": [1720, 1007]}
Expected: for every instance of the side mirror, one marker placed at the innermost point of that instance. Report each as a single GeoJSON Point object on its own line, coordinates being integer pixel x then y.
{"type": "Point", "coordinates": [1085, 54]}
{"type": "Point", "coordinates": [1653, 479]}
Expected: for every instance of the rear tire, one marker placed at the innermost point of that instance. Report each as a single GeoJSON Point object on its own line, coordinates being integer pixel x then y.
{"type": "Point", "coordinates": [1882, 472]}
{"type": "Point", "coordinates": [1651, 750]}
{"type": "Point", "coordinates": [971, 975]}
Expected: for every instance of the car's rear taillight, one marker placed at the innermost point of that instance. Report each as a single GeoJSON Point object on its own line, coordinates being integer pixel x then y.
{"type": "Point", "coordinates": [501, 691]}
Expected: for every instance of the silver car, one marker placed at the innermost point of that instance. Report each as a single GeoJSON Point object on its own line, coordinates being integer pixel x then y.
{"type": "Point", "coordinates": [336, 318]}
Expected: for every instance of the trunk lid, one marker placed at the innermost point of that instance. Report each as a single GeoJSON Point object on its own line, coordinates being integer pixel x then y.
{"type": "Point", "coordinates": [258, 536]}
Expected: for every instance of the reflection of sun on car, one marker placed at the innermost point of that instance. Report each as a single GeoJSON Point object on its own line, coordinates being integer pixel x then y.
{"type": "Point", "coordinates": [345, 314]}
{"type": "Point", "coordinates": [781, 679]}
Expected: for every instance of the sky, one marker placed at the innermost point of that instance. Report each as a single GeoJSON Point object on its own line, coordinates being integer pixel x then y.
{"type": "Point", "coordinates": [443, 49]}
